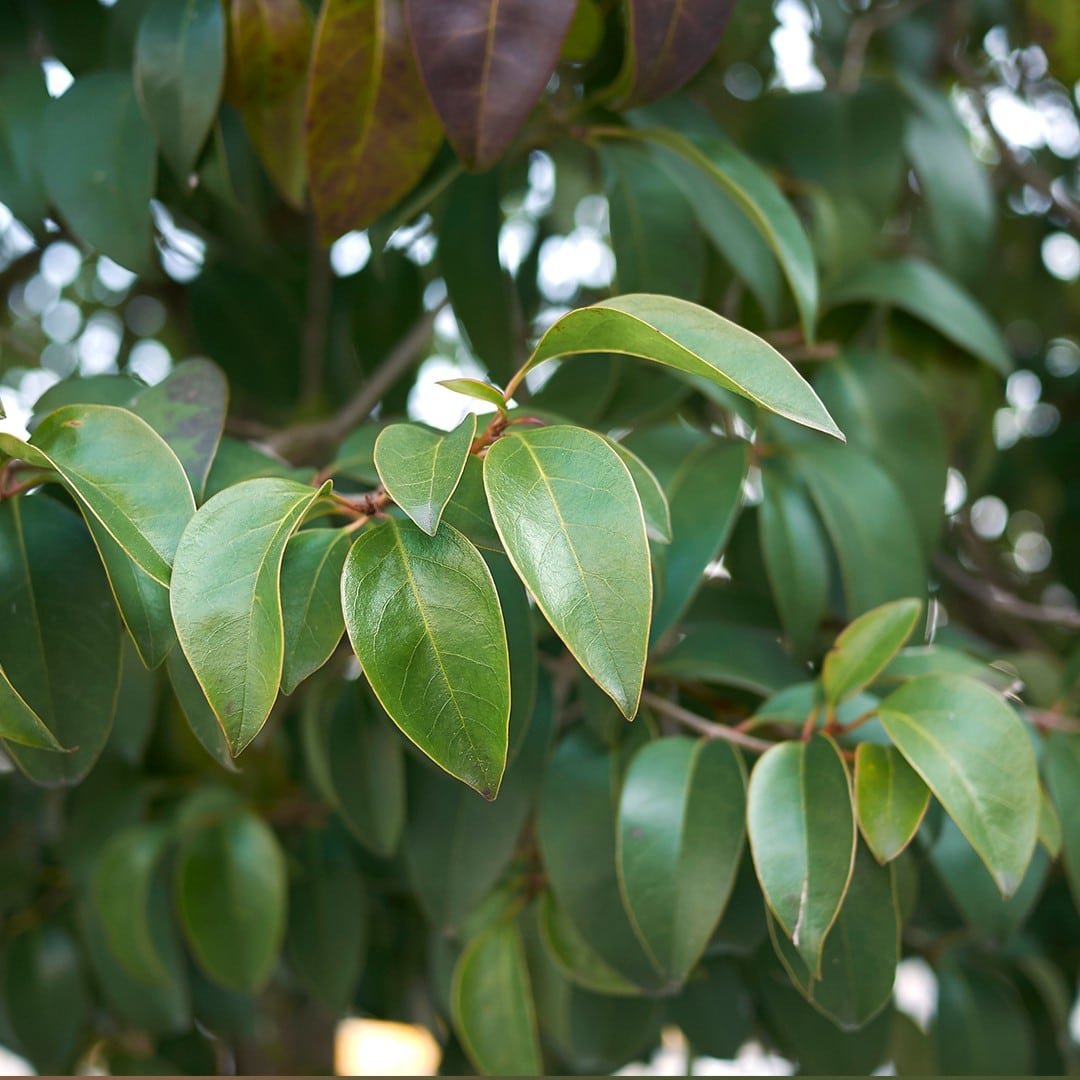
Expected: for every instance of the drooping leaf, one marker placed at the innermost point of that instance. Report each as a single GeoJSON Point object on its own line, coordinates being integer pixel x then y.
{"type": "Point", "coordinates": [890, 800]}
{"type": "Point", "coordinates": [973, 753]}
{"type": "Point", "coordinates": [443, 679]}
{"type": "Point", "coordinates": [226, 598]}
{"type": "Point", "coordinates": [121, 472]}
{"type": "Point", "coordinates": [681, 828]}
{"type": "Point", "coordinates": [187, 409]}
{"type": "Point", "coordinates": [492, 1004]}
{"type": "Point", "coordinates": [179, 74]}
{"type": "Point", "coordinates": [269, 47]}
{"type": "Point", "coordinates": [421, 468]}
{"type": "Point", "coordinates": [60, 638]}
{"type": "Point", "coordinates": [694, 341]}
{"type": "Point", "coordinates": [1061, 763]}
{"type": "Point", "coordinates": [231, 897]}
{"type": "Point", "coordinates": [371, 131]}
{"type": "Point", "coordinates": [311, 601]}
{"type": "Point", "coordinates": [922, 290]}
{"type": "Point", "coordinates": [99, 163]}
{"type": "Point", "coordinates": [865, 647]}
{"type": "Point", "coordinates": [485, 64]}
{"type": "Point", "coordinates": [801, 825]}
{"type": "Point", "coordinates": [571, 522]}
{"type": "Point", "coordinates": [657, 243]}
{"type": "Point", "coordinates": [356, 760]}
{"type": "Point", "coordinates": [667, 44]}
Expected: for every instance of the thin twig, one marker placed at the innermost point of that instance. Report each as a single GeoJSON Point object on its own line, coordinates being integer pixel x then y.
{"type": "Point", "coordinates": [862, 30]}
{"type": "Point", "coordinates": [702, 726]}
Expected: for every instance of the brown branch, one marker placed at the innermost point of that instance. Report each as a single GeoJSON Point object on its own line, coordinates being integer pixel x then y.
{"type": "Point", "coordinates": [702, 726]}
{"type": "Point", "coordinates": [859, 36]}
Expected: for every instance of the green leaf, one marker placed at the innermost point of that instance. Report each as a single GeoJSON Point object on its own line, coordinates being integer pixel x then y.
{"type": "Point", "coordinates": [311, 601]}
{"type": "Point", "coordinates": [468, 509]}
{"type": "Point", "coordinates": [681, 828]}
{"type": "Point", "coordinates": [444, 679]}
{"type": "Point", "coordinates": [485, 64]}
{"type": "Point", "coordinates": [759, 198]}
{"type": "Point", "coordinates": [371, 130]}
{"type": "Point", "coordinates": [492, 1004]}
{"type": "Point", "coordinates": [231, 895]}
{"type": "Point", "coordinates": [120, 472]}
{"type": "Point", "coordinates": [1061, 764]}
{"type": "Point", "coordinates": [269, 47]}
{"type": "Point", "coordinates": [99, 162]}
{"type": "Point", "coordinates": [357, 762]}
{"type": "Point", "coordinates": [60, 638]}
{"type": "Point", "coordinates": [326, 940]}
{"type": "Point", "coordinates": [858, 965]}
{"type": "Point", "coordinates": [179, 74]}
{"type": "Point", "coordinates": [200, 717]}
{"type": "Point", "coordinates": [474, 388]}
{"type": "Point", "coordinates": [694, 341]}
{"type": "Point", "coordinates": [421, 468]}
{"type": "Point", "coordinates": [802, 835]}
{"type": "Point", "coordinates": [796, 556]}
{"type": "Point", "coordinates": [870, 526]}
{"type": "Point", "coordinates": [356, 455]}
{"type": "Point", "coordinates": [716, 991]}
{"type": "Point", "coordinates": [19, 723]}
{"type": "Point", "coordinates": [658, 245]}
{"type": "Point", "coordinates": [116, 389]}
{"type": "Point", "coordinates": [654, 504]}
{"type": "Point", "coordinates": [890, 800]}
{"type": "Point", "coordinates": [865, 647]}
{"type": "Point", "coordinates": [576, 828]}
{"type": "Point", "coordinates": [922, 290]}
{"type": "Point", "coordinates": [571, 522]}
{"type": "Point", "coordinates": [226, 598]}
{"type": "Point", "coordinates": [977, 759]}
{"type": "Point", "coordinates": [187, 409]}
{"type": "Point", "coordinates": [22, 185]}
{"type": "Point", "coordinates": [1049, 826]}
{"type": "Point", "coordinates": [237, 461]}
{"type": "Point", "coordinates": [480, 290]}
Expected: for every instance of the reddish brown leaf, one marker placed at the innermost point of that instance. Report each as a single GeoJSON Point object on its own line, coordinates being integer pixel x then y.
{"type": "Point", "coordinates": [371, 131]}
{"type": "Point", "coordinates": [269, 47]}
{"type": "Point", "coordinates": [668, 42]}
{"type": "Point", "coordinates": [485, 64]}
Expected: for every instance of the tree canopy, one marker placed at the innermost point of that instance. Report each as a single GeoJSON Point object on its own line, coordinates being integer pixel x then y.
{"type": "Point", "coordinates": [544, 520]}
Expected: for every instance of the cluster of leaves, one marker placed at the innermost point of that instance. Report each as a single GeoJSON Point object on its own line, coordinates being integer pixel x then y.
{"type": "Point", "coordinates": [336, 719]}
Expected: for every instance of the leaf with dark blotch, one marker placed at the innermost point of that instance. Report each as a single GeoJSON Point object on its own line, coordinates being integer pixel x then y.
{"type": "Point", "coordinates": [269, 48]}
{"type": "Point", "coordinates": [371, 131]}
{"type": "Point", "coordinates": [485, 64]}
{"type": "Point", "coordinates": [179, 72]}
{"type": "Point", "coordinates": [424, 620]}
{"type": "Point", "coordinates": [667, 43]}
{"type": "Point", "coordinates": [311, 601]}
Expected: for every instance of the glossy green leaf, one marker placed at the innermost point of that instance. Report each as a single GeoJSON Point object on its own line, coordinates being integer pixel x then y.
{"type": "Point", "coordinates": [19, 723]}
{"type": "Point", "coordinates": [1061, 764]}
{"type": "Point", "coordinates": [681, 828]}
{"type": "Point", "coordinates": [200, 717]}
{"type": "Point", "coordinates": [890, 800]}
{"type": "Point", "coordinates": [371, 130]}
{"type": "Point", "coordinates": [238, 461]}
{"type": "Point", "coordinates": [801, 824]}
{"type": "Point", "coordinates": [571, 522]}
{"type": "Point", "coordinates": [576, 828]}
{"type": "Point", "coordinates": [693, 340]}
{"type": "Point", "coordinates": [796, 556]}
{"type": "Point", "coordinates": [22, 185]}
{"type": "Point", "coordinates": [443, 679]}
{"type": "Point", "coordinates": [865, 647]}
{"type": "Point", "coordinates": [356, 455]}
{"type": "Point", "coordinates": [922, 290]}
{"type": "Point", "coordinates": [99, 162]}
{"type": "Point", "coordinates": [231, 897]}
{"type": "Point", "coordinates": [120, 472]}
{"type": "Point", "coordinates": [468, 509]}
{"type": "Point", "coordinates": [187, 409]}
{"type": "Point", "coordinates": [311, 601]}
{"type": "Point", "coordinates": [654, 234]}
{"type": "Point", "coordinates": [421, 468]}
{"type": "Point", "coordinates": [492, 1004]}
{"type": "Point", "coordinates": [357, 762]}
{"type": "Point", "coordinates": [179, 74]}
{"type": "Point", "coordinates": [975, 756]}
{"type": "Point", "coordinates": [474, 388]}
{"type": "Point", "coordinates": [116, 389]}
{"type": "Point", "coordinates": [654, 504]}
{"type": "Point", "coordinates": [226, 598]}
{"type": "Point", "coordinates": [68, 671]}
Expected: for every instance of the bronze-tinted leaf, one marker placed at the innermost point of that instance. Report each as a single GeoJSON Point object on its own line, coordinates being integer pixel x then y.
{"type": "Point", "coordinates": [371, 131]}
{"type": "Point", "coordinates": [485, 64]}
